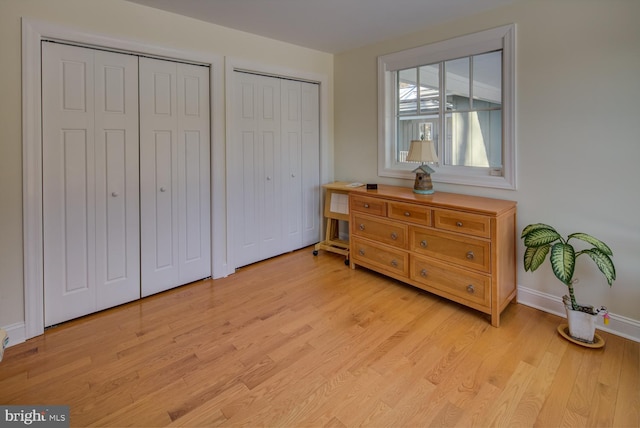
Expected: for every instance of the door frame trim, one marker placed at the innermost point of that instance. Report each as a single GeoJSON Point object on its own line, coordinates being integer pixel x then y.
{"type": "Point", "coordinates": [33, 32]}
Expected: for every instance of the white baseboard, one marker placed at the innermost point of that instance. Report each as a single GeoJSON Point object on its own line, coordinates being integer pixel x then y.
{"type": "Point", "coordinates": [16, 332]}
{"type": "Point", "coordinates": [618, 324]}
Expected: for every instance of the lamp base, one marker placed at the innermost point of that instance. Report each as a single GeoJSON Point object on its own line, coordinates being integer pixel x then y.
{"type": "Point", "coordinates": [423, 192]}
{"type": "Point", "coordinates": [423, 184]}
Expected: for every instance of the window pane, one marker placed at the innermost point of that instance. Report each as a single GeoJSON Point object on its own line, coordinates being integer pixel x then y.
{"type": "Point", "coordinates": [429, 88]}
{"type": "Point", "coordinates": [474, 128]}
{"type": "Point", "coordinates": [487, 80]}
{"type": "Point", "coordinates": [457, 84]}
{"type": "Point", "coordinates": [407, 91]}
{"type": "Point", "coordinates": [475, 139]}
{"type": "Point", "coordinates": [415, 129]}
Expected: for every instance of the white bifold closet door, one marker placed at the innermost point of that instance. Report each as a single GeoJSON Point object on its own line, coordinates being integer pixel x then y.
{"type": "Point", "coordinates": [90, 180]}
{"type": "Point", "coordinates": [274, 162]}
{"type": "Point", "coordinates": [126, 181]}
{"type": "Point", "coordinates": [174, 174]}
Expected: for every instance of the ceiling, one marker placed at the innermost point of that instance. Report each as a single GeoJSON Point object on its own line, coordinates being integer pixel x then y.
{"type": "Point", "coordinates": [331, 26]}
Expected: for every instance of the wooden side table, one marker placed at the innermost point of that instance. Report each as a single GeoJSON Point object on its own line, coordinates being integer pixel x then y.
{"type": "Point", "coordinates": [336, 209]}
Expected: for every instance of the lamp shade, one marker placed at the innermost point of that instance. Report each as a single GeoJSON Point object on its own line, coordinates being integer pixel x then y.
{"type": "Point", "coordinates": [422, 151]}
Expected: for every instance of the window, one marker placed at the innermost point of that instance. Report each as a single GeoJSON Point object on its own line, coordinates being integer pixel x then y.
{"type": "Point", "coordinates": [458, 93]}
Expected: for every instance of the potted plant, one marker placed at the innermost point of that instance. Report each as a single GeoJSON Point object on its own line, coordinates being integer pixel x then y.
{"type": "Point", "coordinates": [540, 240]}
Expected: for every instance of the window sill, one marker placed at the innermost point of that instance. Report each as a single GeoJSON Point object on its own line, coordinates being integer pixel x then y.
{"type": "Point", "coordinates": [464, 176]}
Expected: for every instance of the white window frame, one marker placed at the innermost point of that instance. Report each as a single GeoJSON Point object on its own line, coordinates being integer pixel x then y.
{"type": "Point", "coordinates": [468, 45]}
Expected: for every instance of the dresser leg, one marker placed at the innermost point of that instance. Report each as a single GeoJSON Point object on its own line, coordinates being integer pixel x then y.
{"type": "Point", "coordinates": [495, 319]}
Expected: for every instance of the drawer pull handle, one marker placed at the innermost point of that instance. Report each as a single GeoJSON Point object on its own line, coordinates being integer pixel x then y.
{"type": "Point", "coordinates": [423, 272]}
{"type": "Point", "coordinates": [470, 255]}
{"type": "Point", "coordinates": [361, 252]}
{"type": "Point", "coordinates": [470, 289]}
{"type": "Point", "coordinates": [423, 243]}
{"type": "Point", "coordinates": [459, 224]}
{"type": "Point", "coordinates": [407, 214]}
{"type": "Point", "coordinates": [394, 263]}
{"type": "Point", "coordinates": [361, 226]}
{"type": "Point", "coordinates": [366, 205]}
{"type": "Point", "coordinates": [394, 236]}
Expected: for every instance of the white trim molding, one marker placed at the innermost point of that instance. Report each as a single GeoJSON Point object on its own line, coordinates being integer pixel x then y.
{"type": "Point", "coordinates": [16, 333]}
{"type": "Point", "coordinates": [618, 324]}
{"type": "Point", "coordinates": [33, 32]}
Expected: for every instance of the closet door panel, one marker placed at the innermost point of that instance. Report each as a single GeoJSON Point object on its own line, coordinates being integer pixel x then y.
{"type": "Point", "coordinates": [247, 155]}
{"type": "Point", "coordinates": [68, 182]}
{"type": "Point", "coordinates": [194, 246]}
{"type": "Point", "coordinates": [158, 176]}
{"type": "Point", "coordinates": [272, 241]}
{"type": "Point", "coordinates": [76, 212]}
{"type": "Point", "coordinates": [248, 223]}
{"type": "Point", "coordinates": [194, 233]}
{"type": "Point", "coordinates": [175, 174]}
{"type": "Point", "coordinates": [291, 158]}
{"type": "Point", "coordinates": [270, 206]}
{"type": "Point", "coordinates": [114, 206]}
{"type": "Point", "coordinates": [310, 163]}
{"type": "Point", "coordinates": [163, 213]}
{"type": "Point", "coordinates": [117, 184]}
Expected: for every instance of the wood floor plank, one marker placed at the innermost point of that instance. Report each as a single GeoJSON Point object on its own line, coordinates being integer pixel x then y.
{"type": "Point", "coordinates": [481, 405]}
{"type": "Point", "coordinates": [504, 408]}
{"type": "Point", "coordinates": [602, 407]}
{"type": "Point", "coordinates": [627, 412]}
{"type": "Point", "coordinates": [303, 340]}
{"type": "Point", "coordinates": [413, 405]}
{"type": "Point", "coordinates": [555, 403]}
{"type": "Point", "coordinates": [573, 419]}
{"type": "Point", "coordinates": [530, 403]}
{"type": "Point", "coordinates": [583, 394]}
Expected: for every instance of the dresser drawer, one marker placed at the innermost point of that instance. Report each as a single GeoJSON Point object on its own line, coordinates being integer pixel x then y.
{"type": "Point", "coordinates": [409, 212]}
{"type": "Point", "coordinates": [470, 286]}
{"type": "Point", "coordinates": [381, 257]}
{"type": "Point", "coordinates": [464, 251]}
{"type": "Point", "coordinates": [470, 224]}
{"type": "Point", "coordinates": [379, 230]}
{"type": "Point", "coordinates": [368, 205]}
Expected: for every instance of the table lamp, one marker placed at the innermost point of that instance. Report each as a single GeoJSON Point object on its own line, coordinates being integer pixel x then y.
{"type": "Point", "coordinates": [423, 151]}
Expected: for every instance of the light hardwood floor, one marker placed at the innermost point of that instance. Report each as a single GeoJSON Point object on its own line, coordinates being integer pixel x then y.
{"type": "Point", "coordinates": [305, 341]}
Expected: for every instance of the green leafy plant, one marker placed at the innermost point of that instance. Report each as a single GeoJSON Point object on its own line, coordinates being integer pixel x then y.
{"type": "Point", "coordinates": [542, 239]}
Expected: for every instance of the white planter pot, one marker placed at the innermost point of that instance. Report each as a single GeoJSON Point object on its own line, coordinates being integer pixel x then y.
{"type": "Point", "coordinates": [582, 326]}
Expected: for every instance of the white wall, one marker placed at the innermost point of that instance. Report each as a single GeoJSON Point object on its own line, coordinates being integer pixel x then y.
{"type": "Point", "coordinates": [578, 134]}
{"type": "Point", "coordinates": [124, 20]}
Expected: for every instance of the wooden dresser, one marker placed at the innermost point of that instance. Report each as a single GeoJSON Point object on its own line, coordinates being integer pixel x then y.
{"type": "Point", "coordinates": [459, 247]}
